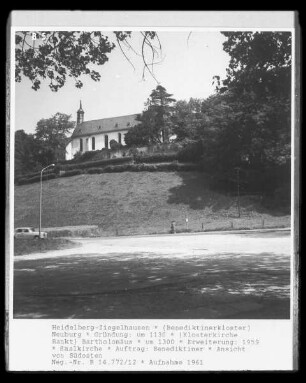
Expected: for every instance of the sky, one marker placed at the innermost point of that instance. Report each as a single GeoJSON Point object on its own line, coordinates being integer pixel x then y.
{"type": "Point", "coordinates": [186, 68]}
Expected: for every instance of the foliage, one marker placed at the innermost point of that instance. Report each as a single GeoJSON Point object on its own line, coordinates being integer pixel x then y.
{"type": "Point", "coordinates": [57, 55]}
{"type": "Point", "coordinates": [26, 149]}
{"type": "Point", "coordinates": [155, 121]}
{"type": "Point", "coordinates": [100, 163]}
{"type": "Point", "coordinates": [87, 156]}
{"type": "Point", "coordinates": [156, 158]}
{"type": "Point", "coordinates": [94, 170]}
{"type": "Point", "coordinates": [77, 156]}
{"type": "Point", "coordinates": [51, 133]}
{"type": "Point", "coordinates": [192, 151]}
{"type": "Point", "coordinates": [30, 180]}
{"type": "Point", "coordinates": [70, 173]}
{"type": "Point", "coordinates": [138, 136]}
{"type": "Point", "coordinates": [260, 63]}
{"type": "Point", "coordinates": [114, 145]}
{"type": "Point", "coordinates": [187, 119]}
{"type": "Point", "coordinates": [247, 123]}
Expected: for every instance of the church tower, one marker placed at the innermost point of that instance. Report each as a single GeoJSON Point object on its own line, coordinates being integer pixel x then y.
{"type": "Point", "coordinates": [80, 114]}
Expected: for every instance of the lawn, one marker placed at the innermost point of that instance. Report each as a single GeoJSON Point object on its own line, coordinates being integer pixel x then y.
{"type": "Point", "coordinates": [139, 203]}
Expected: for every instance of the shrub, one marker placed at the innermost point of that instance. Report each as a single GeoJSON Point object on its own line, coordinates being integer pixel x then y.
{"type": "Point", "coordinates": [70, 173]}
{"type": "Point", "coordinates": [87, 156]}
{"type": "Point", "coordinates": [156, 158]}
{"type": "Point", "coordinates": [149, 167]}
{"type": "Point", "coordinates": [95, 170]}
{"type": "Point", "coordinates": [30, 180]}
{"type": "Point", "coordinates": [114, 145]}
{"type": "Point", "coordinates": [191, 152]}
{"type": "Point", "coordinates": [99, 163]}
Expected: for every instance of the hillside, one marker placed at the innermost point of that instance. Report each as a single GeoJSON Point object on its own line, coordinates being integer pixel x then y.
{"type": "Point", "coordinates": [138, 203]}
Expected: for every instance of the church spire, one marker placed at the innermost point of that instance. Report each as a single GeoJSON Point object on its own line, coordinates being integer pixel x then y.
{"type": "Point", "coordinates": [80, 114]}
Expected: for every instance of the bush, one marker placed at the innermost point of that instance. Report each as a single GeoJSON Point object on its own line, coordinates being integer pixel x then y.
{"type": "Point", "coordinates": [87, 156]}
{"type": "Point", "coordinates": [70, 173]}
{"type": "Point", "coordinates": [100, 163]}
{"type": "Point", "coordinates": [95, 170]}
{"type": "Point", "coordinates": [191, 152]}
{"type": "Point", "coordinates": [30, 180]}
{"type": "Point", "coordinates": [156, 158]}
{"type": "Point", "coordinates": [36, 174]}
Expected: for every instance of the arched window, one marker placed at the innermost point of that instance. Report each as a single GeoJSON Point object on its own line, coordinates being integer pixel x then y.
{"type": "Point", "coordinates": [93, 143]}
{"type": "Point", "coordinates": [81, 145]}
{"type": "Point", "coordinates": [119, 138]}
{"type": "Point", "coordinates": [106, 141]}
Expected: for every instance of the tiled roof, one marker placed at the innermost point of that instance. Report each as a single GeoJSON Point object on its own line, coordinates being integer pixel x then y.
{"type": "Point", "coordinates": [105, 125]}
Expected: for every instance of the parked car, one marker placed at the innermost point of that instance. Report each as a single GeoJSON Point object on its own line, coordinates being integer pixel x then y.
{"type": "Point", "coordinates": [28, 232]}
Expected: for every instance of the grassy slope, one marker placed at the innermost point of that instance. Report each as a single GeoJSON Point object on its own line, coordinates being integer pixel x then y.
{"type": "Point", "coordinates": [137, 203]}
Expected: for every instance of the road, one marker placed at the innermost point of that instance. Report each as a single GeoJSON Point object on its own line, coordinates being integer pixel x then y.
{"type": "Point", "coordinates": [207, 276]}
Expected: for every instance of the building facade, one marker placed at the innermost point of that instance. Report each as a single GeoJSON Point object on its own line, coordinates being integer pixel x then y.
{"type": "Point", "coordinates": [97, 134]}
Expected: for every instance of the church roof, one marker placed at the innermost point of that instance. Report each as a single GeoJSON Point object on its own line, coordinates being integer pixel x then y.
{"type": "Point", "coordinates": [105, 125]}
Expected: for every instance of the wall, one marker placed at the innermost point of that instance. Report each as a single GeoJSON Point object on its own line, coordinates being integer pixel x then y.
{"type": "Point", "coordinates": [74, 146]}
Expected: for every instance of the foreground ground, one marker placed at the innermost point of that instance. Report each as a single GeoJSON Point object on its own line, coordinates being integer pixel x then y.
{"type": "Point", "coordinates": [172, 276]}
{"type": "Point", "coordinates": [27, 246]}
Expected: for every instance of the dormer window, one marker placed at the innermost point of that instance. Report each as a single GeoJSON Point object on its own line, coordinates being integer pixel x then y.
{"type": "Point", "coordinates": [116, 125]}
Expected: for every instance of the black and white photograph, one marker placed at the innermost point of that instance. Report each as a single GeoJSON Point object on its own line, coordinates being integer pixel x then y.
{"type": "Point", "coordinates": [152, 174]}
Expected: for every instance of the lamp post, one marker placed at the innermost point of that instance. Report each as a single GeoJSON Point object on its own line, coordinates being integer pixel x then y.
{"type": "Point", "coordinates": [40, 196]}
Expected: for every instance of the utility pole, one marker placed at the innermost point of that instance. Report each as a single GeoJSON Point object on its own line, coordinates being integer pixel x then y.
{"type": "Point", "coordinates": [40, 197]}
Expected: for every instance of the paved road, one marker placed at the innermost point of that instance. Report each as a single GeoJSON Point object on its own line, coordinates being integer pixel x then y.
{"type": "Point", "coordinates": [208, 276]}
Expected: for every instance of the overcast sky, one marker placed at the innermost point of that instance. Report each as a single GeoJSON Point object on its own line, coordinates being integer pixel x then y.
{"type": "Point", "coordinates": [186, 71]}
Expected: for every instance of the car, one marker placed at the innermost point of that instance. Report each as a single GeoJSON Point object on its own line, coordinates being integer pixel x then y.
{"type": "Point", "coordinates": [28, 232]}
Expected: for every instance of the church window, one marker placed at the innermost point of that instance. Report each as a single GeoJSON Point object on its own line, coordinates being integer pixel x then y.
{"type": "Point", "coordinates": [119, 138]}
{"type": "Point", "coordinates": [93, 143]}
{"type": "Point", "coordinates": [81, 145]}
{"type": "Point", "coordinates": [106, 141]}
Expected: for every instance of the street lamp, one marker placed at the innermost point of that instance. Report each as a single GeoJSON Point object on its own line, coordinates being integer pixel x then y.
{"type": "Point", "coordinates": [40, 197]}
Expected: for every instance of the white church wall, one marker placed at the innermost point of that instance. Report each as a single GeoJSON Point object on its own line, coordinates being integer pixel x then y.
{"type": "Point", "coordinates": [74, 146]}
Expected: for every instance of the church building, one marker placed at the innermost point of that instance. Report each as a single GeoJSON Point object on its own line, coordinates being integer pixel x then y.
{"type": "Point", "coordinates": [97, 134]}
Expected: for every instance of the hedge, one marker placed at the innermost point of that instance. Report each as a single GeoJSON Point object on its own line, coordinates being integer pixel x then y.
{"type": "Point", "coordinates": [70, 173]}
{"type": "Point", "coordinates": [34, 175]}
{"type": "Point", "coordinates": [173, 166]}
{"type": "Point", "coordinates": [144, 168]}
{"type": "Point", "coordinates": [100, 163]}
{"type": "Point", "coordinates": [30, 180]}
{"type": "Point", "coordinates": [156, 158]}
{"type": "Point", "coordinates": [95, 170]}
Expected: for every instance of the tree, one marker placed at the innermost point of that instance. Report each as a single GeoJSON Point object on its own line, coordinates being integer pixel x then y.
{"type": "Point", "coordinates": [250, 115]}
{"type": "Point", "coordinates": [187, 119]}
{"type": "Point", "coordinates": [159, 111]}
{"type": "Point", "coordinates": [138, 136]}
{"type": "Point", "coordinates": [55, 56]}
{"type": "Point", "coordinates": [260, 63]}
{"type": "Point", "coordinates": [51, 133]}
{"type": "Point", "coordinates": [26, 149]}
{"type": "Point", "coordinates": [155, 121]}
